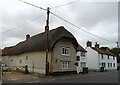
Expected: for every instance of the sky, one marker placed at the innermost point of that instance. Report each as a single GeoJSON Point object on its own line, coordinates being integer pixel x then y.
{"type": "Point", "coordinates": [99, 17]}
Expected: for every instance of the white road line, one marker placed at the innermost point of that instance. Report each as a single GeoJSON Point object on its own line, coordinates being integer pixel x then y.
{"type": "Point", "coordinates": [12, 79]}
{"type": "Point", "coordinates": [65, 77]}
{"type": "Point", "coordinates": [68, 77]}
{"type": "Point", "coordinates": [51, 79]}
{"type": "Point", "coordinates": [34, 82]}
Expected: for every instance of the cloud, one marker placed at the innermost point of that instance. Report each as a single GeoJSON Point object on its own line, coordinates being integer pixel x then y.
{"type": "Point", "coordinates": [99, 18]}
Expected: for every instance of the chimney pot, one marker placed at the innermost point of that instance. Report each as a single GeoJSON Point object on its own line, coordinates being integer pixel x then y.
{"type": "Point", "coordinates": [89, 44]}
{"type": "Point", "coordinates": [27, 36]}
{"type": "Point", "coordinates": [97, 45]}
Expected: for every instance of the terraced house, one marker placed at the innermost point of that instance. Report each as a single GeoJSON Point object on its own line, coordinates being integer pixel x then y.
{"type": "Point", "coordinates": [32, 52]}
{"type": "Point", "coordinates": [97, 58]}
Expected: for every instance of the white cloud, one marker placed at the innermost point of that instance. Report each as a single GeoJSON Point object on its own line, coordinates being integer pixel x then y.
{"type": "Point", "coordinates": [96, 17]}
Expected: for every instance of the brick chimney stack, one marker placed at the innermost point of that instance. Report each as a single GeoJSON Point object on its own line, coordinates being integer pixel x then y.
{"type": "Point", "coordinates": [27, 36]}
{"type": "Point", "coordinates": [89, 44]}
{"type": "Point", "coordinates": [97, 45]}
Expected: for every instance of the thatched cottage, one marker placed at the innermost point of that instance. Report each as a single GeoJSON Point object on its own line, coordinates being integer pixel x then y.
{"type": "Point", "coordinates": [32, 52]}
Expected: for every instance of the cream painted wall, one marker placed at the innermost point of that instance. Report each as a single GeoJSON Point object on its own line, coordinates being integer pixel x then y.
{"type": "Point", "coordinates": [35, 61]}
{"type": "Point", "coordinates": [6, 60]}
{"type": "Point", "coordinates": [38, 59]}
{"type": "Point", "coordinates": [58, 57]}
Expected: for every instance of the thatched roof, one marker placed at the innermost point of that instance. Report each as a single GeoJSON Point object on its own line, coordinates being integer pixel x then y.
{"type": "Point", "coordinates": [38, 42]}
{"type": "Point", "coordinates": [80, 48]}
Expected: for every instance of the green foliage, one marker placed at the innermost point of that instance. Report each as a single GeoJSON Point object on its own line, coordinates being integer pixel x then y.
{"type": "Point", "coordinates": [105, 48]}
{"type": "Point", "coordinates": [115, 50]}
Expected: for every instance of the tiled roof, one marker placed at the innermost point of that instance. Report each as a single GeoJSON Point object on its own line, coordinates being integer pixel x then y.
{"type": "Point", "coordinates": [6, 50]}
{"type": "Point", "coordinates": [102, 51]}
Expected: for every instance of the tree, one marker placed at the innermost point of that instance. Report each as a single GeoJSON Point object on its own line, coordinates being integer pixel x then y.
{"type": "Point", "coordinates": [105, 48]}
{"type": "Point", "coordinates": [116, 51]}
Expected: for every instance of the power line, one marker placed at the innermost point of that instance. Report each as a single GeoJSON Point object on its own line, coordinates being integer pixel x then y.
{"type": "Point", "coordinates": [80, 28]}
{"type": "Point", "coordinates": [22, 24]}
{"type": "Point", "coordinates": [68, 22]}
{"type": "Point", "coordinates": [64, 4]}
{"type": "Point", "coordinates": [33, 5]}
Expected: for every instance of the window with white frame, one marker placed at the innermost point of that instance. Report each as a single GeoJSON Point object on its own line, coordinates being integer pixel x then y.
{"type": "Point", "coordinates": [101, 56]}
{"type": "Point", "coordinates": [65, 51]}
{"type": "Point", "coordinates": [108, 64]}
{"type": "Point", "coordinates": [82, 54]}
{"type": "Point", "coordinates": [114, 64]}
{"type": "Point", "coordinates": [113, 57]}
{"type": "Point", "coordinates": [83, 64]}
{"type": "Point", "coordinates": [65, 64]}
{"type": "Point", "coordinates": [108, 57]}
{"type": "Point", "coordinates": [103, 64]}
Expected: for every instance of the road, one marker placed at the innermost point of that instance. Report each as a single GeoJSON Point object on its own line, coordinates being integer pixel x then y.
{"type": "Point", "coordinates": [100, 77]}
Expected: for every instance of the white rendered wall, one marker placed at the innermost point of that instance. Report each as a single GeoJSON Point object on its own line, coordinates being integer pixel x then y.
{"type": "Point", "coordinates": [92, 59]}
{"type": "Point", "coordinates": [82, 59]}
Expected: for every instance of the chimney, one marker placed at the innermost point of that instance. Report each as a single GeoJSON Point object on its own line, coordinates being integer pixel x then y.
{"type": "Point", "coordinates": [97, 45]}
{"type": "Point", "coordinates": [27, 36]}
{"type": "Point", "coordinates": [89, 44]}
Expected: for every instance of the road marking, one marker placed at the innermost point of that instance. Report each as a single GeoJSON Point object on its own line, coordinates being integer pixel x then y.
{"type": "Point", "coordinates": [65, 77]}
{"type": "Point", "coordinates": [34, 82]}
{"type": "Point", "coordinates": [68, 77]}
{"type": "Point", "coordinates": [51, 79]}
{"type": "Point", "coordinates": [13, 79]}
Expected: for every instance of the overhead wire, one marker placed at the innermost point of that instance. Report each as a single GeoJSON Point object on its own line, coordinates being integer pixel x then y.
{"type": "Point", "coordinates": [66, 20]}
{"type": "Point", "coordinates": [81, 28]}
{"type": "Point", "coordinates": [17, 27]}
{"type": "Point", "coordinates": [64, 4]}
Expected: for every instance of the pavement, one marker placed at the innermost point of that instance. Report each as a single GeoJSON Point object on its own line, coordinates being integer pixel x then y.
{"type": "Point", "coordinates": [16, 77]}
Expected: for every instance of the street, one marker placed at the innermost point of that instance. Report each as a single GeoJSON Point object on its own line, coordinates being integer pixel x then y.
{"type": "Point", "coordinates": [95, 77]}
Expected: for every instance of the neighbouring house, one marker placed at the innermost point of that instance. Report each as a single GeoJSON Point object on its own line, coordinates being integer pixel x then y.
{"type": "Point", "coordinates": [32, 52]}
{"type": "Point", "coordinates": [5, 56]}
{"type": "Point", "coordinates": [81, 58]}
{"type": "Point", "coordinates": [97, 58]}
{"type": "Point", "coordinates": [0, 55]}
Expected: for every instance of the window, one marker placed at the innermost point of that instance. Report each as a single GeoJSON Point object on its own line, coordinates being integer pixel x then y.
{"type": "Point", "coordinates": [26, 57]}
{"type": "Point", "coordinates": [65, 51]}
{"type": "Point", "coordinates": [114, 64]}
{"type": "Point", "coordinates": [103, 64]}
{"type": "Point", "coordinates": [83, 54]}
{"type": "Point", "coordinates": [83, 64]}
{"type": "Point", "coordinates": [113, 58]}
{"type": "Point", "coordinates": [65, 64]}
{"type": "Point", "coordinates": [101, 56]}
{"type": "Point", "coordinates": [20, 61]}
{"type": "Point", "coordinates": [78, 58]}
{"type": "Point", "coordinates": [108, 64]}
{"type": "Point", "coordinates": [108, 57]}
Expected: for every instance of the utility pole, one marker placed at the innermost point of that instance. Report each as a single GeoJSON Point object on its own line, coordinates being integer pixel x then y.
{"type": "Point", "coordinates": [47, 43]}
{"type": "Point", "coordinates": [117, 45]}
